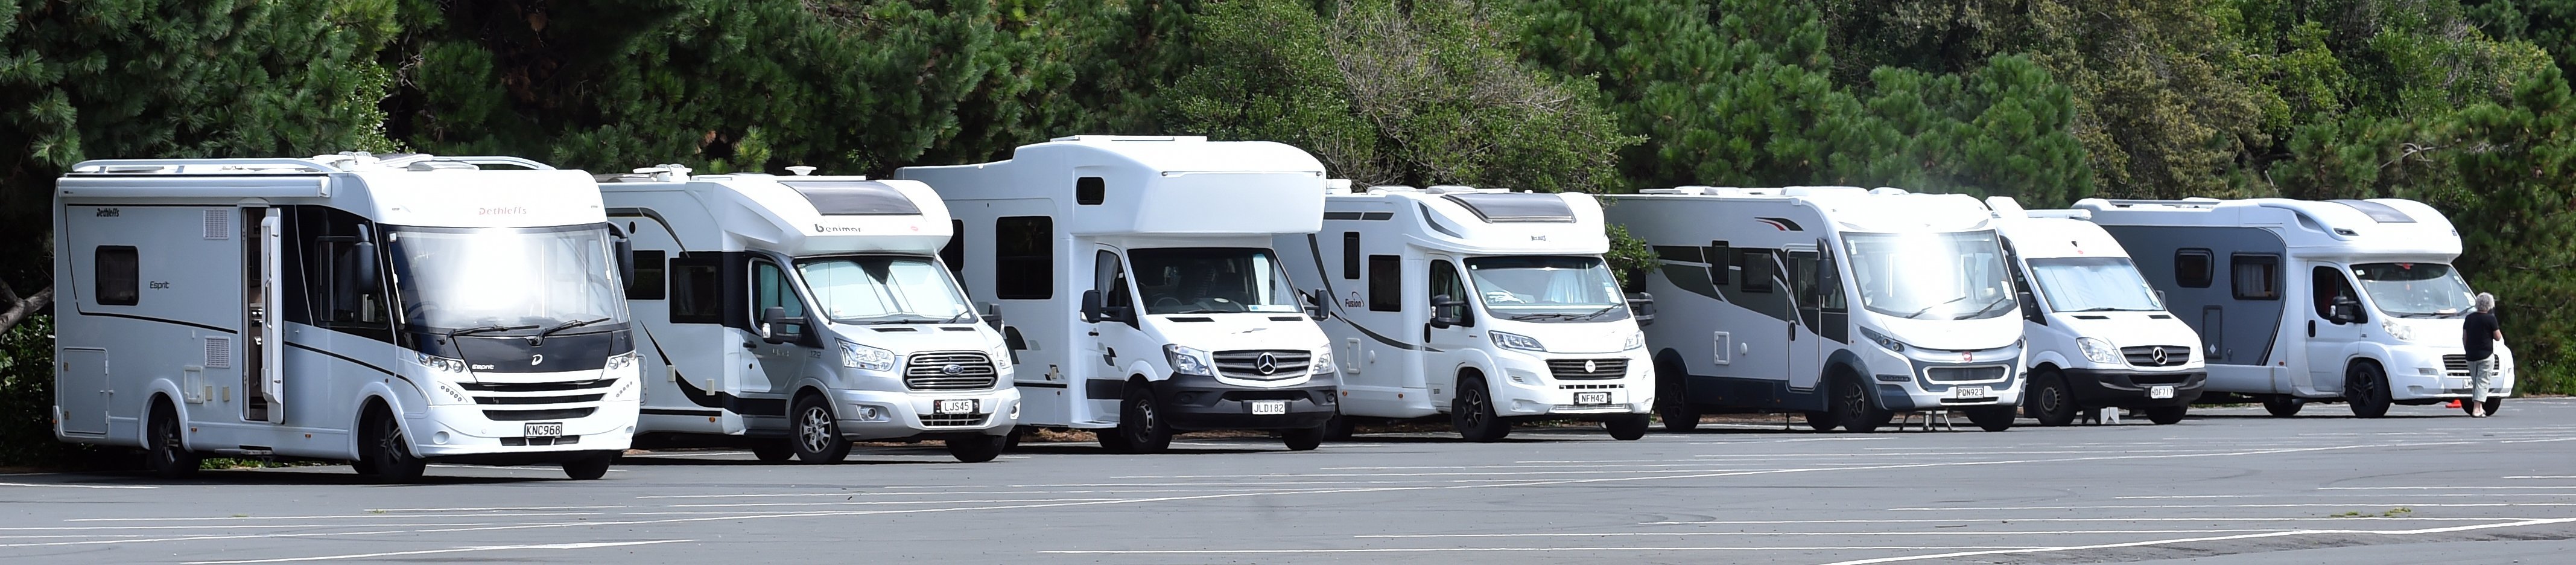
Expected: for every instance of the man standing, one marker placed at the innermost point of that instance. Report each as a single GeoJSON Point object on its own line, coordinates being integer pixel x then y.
{"type": "Point", "coordinates": [2479, 335]}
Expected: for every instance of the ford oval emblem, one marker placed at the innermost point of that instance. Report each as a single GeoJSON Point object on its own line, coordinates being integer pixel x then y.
{"type": "Point", "coordinates": [953, 369]}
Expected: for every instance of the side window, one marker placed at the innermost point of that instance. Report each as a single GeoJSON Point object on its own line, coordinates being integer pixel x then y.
{"type": "Point", "coordinates": [770, 288]}
{"type": "Point", "coordinates": [1829, 285]}
{"type": "Point", "coordinates": [1024, 258]}
{"type": "Point", "coordinates": [697, 290]}
{"type": "Point", "coordinates": [1446, 282]}
{"type": "Point", "coordinates": [954, 254]}
{"type": "Point", "coordinates": [1109, 276]}
{"type": "Point", "coordinates": [119, 275]}
{"type": "Point", "coordinates": [1090, 190]}
{"type": "Point", "coordinates": [2327, 286]}
{"type": "Point", "coordinates": [1386, 283]}
{"type": "Point", "coordinates": [2192, 268]}
{"type": "Point", "coordinates": [1719, 253]}
{"type": "Point", "coordinates": [1759, 269]}
{"type": "Point", "coordinates": [2256, 276]}
{"type": "Point", "coordinates": [1351, 255]}
{"type": "Point", "coordinates": [343, 267]}
{"type": "Point", "coordinates": [648, 283]}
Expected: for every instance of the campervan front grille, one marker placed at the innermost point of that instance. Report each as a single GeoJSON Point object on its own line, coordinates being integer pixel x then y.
{"type": "Point", "coordinates": [526, 415]}
{"type": "Point", "coordinates": [2145, 355]}
{"type": "Point", "coordinates": [537, 387]}
{"type": "Point", "coordinates": [2456, 366]}
{"type": "Point", "coordinates": [1591, 387]}
{"type": "Point", "coordinates": [950, 371]}
{"type": "Point", "coordinates": [1963, 374]}
{"type": "Point", "coordinates": [538, 399]}
{"type": "Point", "coordinates": [1587, 369]}
{"type": "Point", "coordinates": [953, 420]}
{"type": "Point", "coordinates": [1283, 364]}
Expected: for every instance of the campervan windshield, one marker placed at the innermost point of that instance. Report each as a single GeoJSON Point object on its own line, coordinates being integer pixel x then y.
{"type": "Point", "coordinates": [2093, 284]}
{"type": "Point", "coordinates": [1931, 276]}
{"type": "Point", "coordinates": [506, 278]}
{"type": "Point", "coordinates": [862, 290]}
{"type": "Point", "coordinates": [1541, 288]}
{"type": "Point", "coordinates": [1211, 280]}
{"type": "Point", "coordinates": [2414, 290]}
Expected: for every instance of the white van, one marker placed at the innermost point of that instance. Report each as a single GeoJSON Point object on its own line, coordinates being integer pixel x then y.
{"type": "Point", "coordinates": [1756, 316]}
{"type": "Point", "coordinates": [1144, 296]}
{"type": "Point", "coordinates": [2304, 300]}
{"type": "Point", "coordinates": [2099, 335]}
{"type": "Point", "coordinates": [799, 313]}
{"type": "Point", "coordinates": [1487, 305]}
{"type": "Point", "coordinates": [389, 311]}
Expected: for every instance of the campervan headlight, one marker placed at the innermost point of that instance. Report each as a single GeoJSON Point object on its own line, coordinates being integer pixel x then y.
{"type": "Point", "coordinates": [440, 364]}
{"type": "Point", "coordinates": [1187, 361]}
{"type": "Point", "coordinates": [1635, 341]}
{"type": "Point", "coordinates": [857, 356]}
{"type": "Point", "coordinates": [2098, 351]}
{"type": "Point", "coordinates": [1323, 364]}
{"type": "Point", "coordinates": [621, 360]}
{"type": "Point", "coordinates": [1882, 340]}
{"type": "Point", "coordinates": [1517, 341]}
{"type": "Point", "coordinates": [2396, 330]}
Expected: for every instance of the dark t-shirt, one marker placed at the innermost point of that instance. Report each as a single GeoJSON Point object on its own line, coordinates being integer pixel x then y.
{"type": "Point", "coordinates": [2478, 334]}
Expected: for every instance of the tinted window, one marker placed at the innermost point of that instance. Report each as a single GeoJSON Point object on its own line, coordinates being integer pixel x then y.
{"type": "Point", "coordinates": [119, 280]}
{"type": "Point", "coordinates": [1090, 190]}
{"type": "Point", "coordinates": [2192, 268]}
{"type": "Point", "coordinates": [2256, 277]}
{"type": "Point", "coordinates": [697, 291]}
{"type": "Point", "coordinates": [1024, 258]}
{"type": "Point", "coordinates": [1386, 283]}
{"type": "Point", "coordinates": [770, 288]}
{"type": "Point", "coordinates": [648, 276]}
{"type": "Point", "coordinates": [1759, 269]}
{"type": "Point", "coordinates": [853, 198]}
{"type": "Point", "coordinates": [1351, 255]}
{"type": "Point", "coordinates": [954, 254]}
{"type": "Point", "coordinates": [1446, 282]}
{"type": "Point", "coordinates": [2328, 286]}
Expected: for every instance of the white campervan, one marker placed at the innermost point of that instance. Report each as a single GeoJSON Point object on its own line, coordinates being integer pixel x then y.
{"type": "Point", "coordinates": [1845, 304]}
{"type": "Point", "coordinates": [2300, 300]}
{"type": "Point", "coordinates": [2099, 335]}
{"type": "Point", "coordinates": [389, 311]}
{"type": "Point", "coordinates": [1145, 298]}
{"type": "Point", "coordinates": [799, 313]}
{"type": "Point", "coordinates": [1487, 305]}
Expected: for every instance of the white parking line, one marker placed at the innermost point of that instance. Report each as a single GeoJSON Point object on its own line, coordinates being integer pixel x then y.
{"type": "Point", "coordinates": [56, 485]}
{"type": "Point", "coordinates": [2444, 530]}
{"type": "Point", "coordinates": [2544, 477]}
{"type": "Point", "coordinates": [494, 509]}
{"type": "Point", "coordinates": [1491, 549]}
{"type": "Point", "coordinates": [880, 502]}
{"type": "Point", "coordinates": [2447, 488]}
{"type": "Point", "coordinates": [2333, 505]}
{"type": "Point", "coordinates": [1947, 533]}
{"type": "Point", "coordinates": [2294, 495]}
{"type": "Point", "coordinates": [2024, 520]}
{"type": "Point", "coordinates": [331, 517]}
{"type": "Point", "coordinates": [590, 545]}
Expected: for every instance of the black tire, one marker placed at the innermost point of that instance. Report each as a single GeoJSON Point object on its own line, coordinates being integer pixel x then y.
{"type": "Point", "coordinates": [2283, 405]}
{"type": "Point", "coordinates": [814, 434]}
{"type": "Point", "coordinates": [2051, 400]}
{"type": "Point", "coordinates": [1820, 421]}
{"type": "Point", "coordinates": [1992, 418]}
{"type": "Point", "coordinates": [589, 467]}
{"type": "Point", "coordinates": [773, 451]}
{"type": "Point", "coordinates": [1852, 409]}
{"type": "Point", "coordinates": [1140, 422]}
{"type": "Point", "coordinates": [1012, 441]}
{"type": "Point", "coordinates": [1304, 439]}
{"type": "Point", "coordinates": [1472, 412]}
{"type": "Point", "coordinates": [1626, 428]}
{"type": "Point", "coordinates": [165, 451]}
{"type": "Point", "coordinates": [2166, 415]}
{"type": "Point", "coordinates": [979, 448]}
{"type": "Point", "coordinates": [2366, 389]}
{"type": "Point", "coordinates": [1338, 428]}
{"type": "Point", "coordinates": [388, 456]}
{"type": "Point", "coordinates": [1672, 399]}
{"type": "Point", "coordinates": [1110, 440]}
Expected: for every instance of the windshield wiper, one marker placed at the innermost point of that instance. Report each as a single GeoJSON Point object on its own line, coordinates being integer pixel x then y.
{"type": "Point", "coordinates": [1981, 310]}
{"type": "Point", "coordinates": [451, 334]}
{"type": "Point", "coordinates": [1598, 313]}
{"type": "Point", "coordinates": [919, 318]}
{"type": "Point", "coordinates": [1547, 316]}
{"type": "Point", "coordinates": [1928, 309]}
{"type": "Point", "coordinates": [540, 339]}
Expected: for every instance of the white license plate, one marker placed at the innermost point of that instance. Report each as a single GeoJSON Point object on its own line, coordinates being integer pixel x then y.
{"type": "Point", "coordinates": [545, 429]}
{"type": "Point", "coordinates": [1591, 398]}
{"type": "Point", "coordinates": [2160, 391]}
{"type": "Point", "coordinates": [1968, 392]}
{"type": "Point", "coordinates": [959, 406]}
{"type": "Point", "coordinates": [1269, 407]}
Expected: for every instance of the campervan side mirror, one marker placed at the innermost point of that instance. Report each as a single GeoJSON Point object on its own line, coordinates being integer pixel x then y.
{"type": "Point", "coordinates": [1314, 306]}
{"type": "Point", "coordinates": [2029, 305]}
{"type": "Point", "coordinates": [625, 249]}
{"type": "Point", "coordinates": [773, 318]}
{"type": "Point", "coordinates": [1442, 307]}
{"type": "Point", "coordinates": [1092, 306]}
{"type": "Point", "coordinates": [369, 277]}
{"type": "Point", "coordinates": [991, 314]}
{"type": "Point", "coordinates": [2161, 303]}
{"type": "Point", "coordinates": [1642, 307]}
{"type": "Point", "coordinates": [2346, 310]}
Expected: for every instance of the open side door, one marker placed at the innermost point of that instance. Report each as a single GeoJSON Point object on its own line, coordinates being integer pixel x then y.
{"type": "Point", "coordinates": [271, 340]}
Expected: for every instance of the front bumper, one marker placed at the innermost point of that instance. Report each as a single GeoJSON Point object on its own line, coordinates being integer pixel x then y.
{"type": "Point", "coordinates": [461, 430]}
{"type": "Point", "coordinates": [881, 415]}
{"type": "Point", "coordinates": [1903, 393]}
{"type": "Point", "coordinates": [1527, 387]}
{"type": "Point", "coordinates": [2121, 388]}
{"type": "Point", "coordinates": [1191, 402]}
{"type": "Point", "coordinates": [2421, 374]}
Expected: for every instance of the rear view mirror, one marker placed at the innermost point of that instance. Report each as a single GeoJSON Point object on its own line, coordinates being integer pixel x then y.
{"type": "Point", "coordinates": [1095, 309]}
{"type": "Point", "coordinates": [1314, 306]}
{"type": "Point", "coordinates": [1091, 306]}
{"type": "Point", "coordinates": [1447, 311]}
{"type": "Point", "coordinates": [2345, 310]}
{"type": "Point", "coordinates": [364, 264]}
{"type": "Point", "coordinates": [1642, 307]}
{"type": "Point", "coordinates": [774, 321]}
{"type": "Point", "coordinates": [991, 314]}
{"type": "Point", "coordinates": [2029, 305]}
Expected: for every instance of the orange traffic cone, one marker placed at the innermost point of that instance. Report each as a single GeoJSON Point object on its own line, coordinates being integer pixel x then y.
{"type": "Point", "coordinates": [2455, 403]}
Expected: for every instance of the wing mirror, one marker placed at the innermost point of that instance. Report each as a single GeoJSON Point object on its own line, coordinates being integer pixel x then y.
{"type": "Point", "coordinates": [1442, 316]}
{"type": "Point", "coordinates": [1642, 307]}
{"type": "Point", "coordinates": [774, 321]}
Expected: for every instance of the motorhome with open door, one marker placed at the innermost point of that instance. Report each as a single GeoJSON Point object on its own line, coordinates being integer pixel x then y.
{"type": "Point", "coordinates": [1845, 304]}
{"type": "Point", "coordinates": [1487, 305]}
{"type": "Point", "coordinates": [1139, 275]}
{"type": "Point", "coordinates": [389, 311]}
{"type": "Point", "coordinates": [2099, 336]}
{"type": "Point", "coordinates": [796, 314]}
{"type": "Point", "coordinates": [2303, 300]}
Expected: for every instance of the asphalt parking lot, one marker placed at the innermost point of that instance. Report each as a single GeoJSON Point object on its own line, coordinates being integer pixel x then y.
{"type": "Point", "coordinates": [2225, 486]}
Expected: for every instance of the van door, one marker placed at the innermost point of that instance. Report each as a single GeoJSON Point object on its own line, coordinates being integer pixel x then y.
{"type": "Point", "coordinates": [1806, 298]}
{"type": "Point", "coordinates": [1115, 345]}
{"type": "Point", "coordinates": [1440, 356]}
{"type": "Point", "coordinates": [782, 356]}
{"type": "Point", "coordinates": [81, 390]}
{"type": "Point", "coordinates": [2328, 337]}
{"type": "Point", "coordinates": [270, 338]}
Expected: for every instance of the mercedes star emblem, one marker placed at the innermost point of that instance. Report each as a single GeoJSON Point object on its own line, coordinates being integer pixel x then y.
{"type": "Point", "coordinates": [2160, 356]}
{"type": "Point", "coordinates": [1266, 364]}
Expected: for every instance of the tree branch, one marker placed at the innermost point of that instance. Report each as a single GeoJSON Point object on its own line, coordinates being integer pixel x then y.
{"type": "Point", "coordinates": [19, 309]}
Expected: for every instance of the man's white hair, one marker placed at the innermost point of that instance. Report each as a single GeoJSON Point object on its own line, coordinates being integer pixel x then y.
{"type": "Point", "coordinates": [2486, 302]}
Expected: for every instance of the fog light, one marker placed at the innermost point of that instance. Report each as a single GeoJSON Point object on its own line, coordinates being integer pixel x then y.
{"type": "Point", "coordinates": [438, 438]}
{"type": "Point", "coordinates": [1015, 409]}
{"type": "Point", "coordinates": [1520, 378]}
{"type": "Point", "coordinates": [867, 412]}
{"type": "Point", "coordinates": [2428, 370]}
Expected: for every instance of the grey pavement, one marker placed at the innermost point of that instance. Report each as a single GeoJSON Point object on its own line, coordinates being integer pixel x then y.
{"type": "Point", "coordinates": [2227, 486]}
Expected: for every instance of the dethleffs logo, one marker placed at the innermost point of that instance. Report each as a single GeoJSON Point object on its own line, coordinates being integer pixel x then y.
{"type": "Point", "coordinates": [502, 211]}
{"type": "Point", "coordinates": [820, 228]}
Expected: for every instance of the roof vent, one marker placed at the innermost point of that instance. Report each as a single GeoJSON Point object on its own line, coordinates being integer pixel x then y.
{"type": "Point", "coordinates": [801, 170]}
{"type": "Point", "coordinates": [665, 172]}
{"type": "Point", "coordinates": [440, 166]}
{"type": "Point", "coordinates": [2378, 212]}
